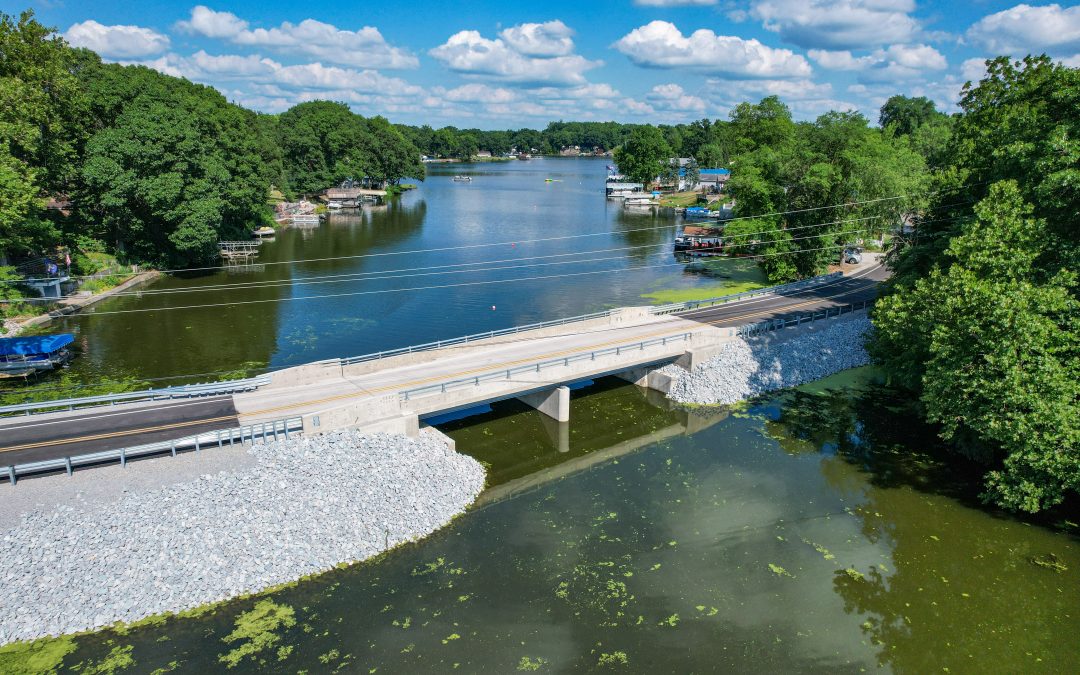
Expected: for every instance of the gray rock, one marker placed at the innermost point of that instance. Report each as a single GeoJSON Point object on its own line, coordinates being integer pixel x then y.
{"type": "Point", "coordinates": [305, 506]}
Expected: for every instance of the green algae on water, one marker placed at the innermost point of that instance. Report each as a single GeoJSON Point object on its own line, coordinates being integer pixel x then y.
{"type": "Point", "coordinates": [44, 655]}
{"type": "Point", "coordinates": [255, 631]}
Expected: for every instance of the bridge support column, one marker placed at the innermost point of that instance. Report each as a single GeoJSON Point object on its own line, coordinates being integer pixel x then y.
{"type": "Point", "coordinates": [650, 378]}
{"type": "Point", "coordinates": [555, 403]}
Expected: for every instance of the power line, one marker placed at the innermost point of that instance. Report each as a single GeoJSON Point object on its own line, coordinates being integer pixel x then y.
{"type": "Point", "coordinates": [426, 288]}
{"type": "Point", "coordinates": [545, 239]}
{"type": "Point", "coordinates": [388, 274]}
{"type": "Point", "coordinates": [288, 284]}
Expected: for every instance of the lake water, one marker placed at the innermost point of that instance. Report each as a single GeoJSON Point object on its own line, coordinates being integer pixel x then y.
{"type": "Point", "coordinates": [388, 283]}
{"type": "Point", "coordinates": [812, 531]}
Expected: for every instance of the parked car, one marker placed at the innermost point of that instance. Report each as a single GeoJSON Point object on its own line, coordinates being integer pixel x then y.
{"type": "Point", "coordinates": [852, 256]}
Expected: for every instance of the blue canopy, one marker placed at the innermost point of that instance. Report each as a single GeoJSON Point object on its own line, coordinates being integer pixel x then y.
{"type": "Point", "coordinates": [38, 344]}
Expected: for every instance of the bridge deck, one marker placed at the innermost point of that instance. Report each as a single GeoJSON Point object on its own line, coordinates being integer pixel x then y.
{"type": "Point", "coordinates": [320, 387]}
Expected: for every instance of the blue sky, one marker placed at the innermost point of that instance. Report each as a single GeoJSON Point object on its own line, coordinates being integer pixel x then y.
{"type": "Point", "coordinates": [511, 64]}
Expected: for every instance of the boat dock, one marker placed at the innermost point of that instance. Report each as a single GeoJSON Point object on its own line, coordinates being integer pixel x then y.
{"type": "Point", "coordinates": [242, 250]}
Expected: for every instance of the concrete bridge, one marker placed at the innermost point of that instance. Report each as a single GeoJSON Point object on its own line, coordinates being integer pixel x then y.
{"type": "Point", "coordinates": [397, 392]}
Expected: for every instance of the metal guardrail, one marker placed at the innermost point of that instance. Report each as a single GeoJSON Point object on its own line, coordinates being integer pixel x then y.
{"type": "Point", "coordinates": [776, 324]}
{"type": "Point", "coordinates": [182, 391]}
{"type": "Point", "coordinates": [507, 373]}
{"type": "Point", "coordinates": [428, 346]}
{"type": "Point", "coordinates": [250, 433]}
{"type": "Point", "coordinates": [724, 299]}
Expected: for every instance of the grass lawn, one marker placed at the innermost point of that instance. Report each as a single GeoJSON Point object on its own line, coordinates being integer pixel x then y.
{"type": "Point", "coordinates": [708, 279]}
{"type": "Point", "coordinates": [679, 199]}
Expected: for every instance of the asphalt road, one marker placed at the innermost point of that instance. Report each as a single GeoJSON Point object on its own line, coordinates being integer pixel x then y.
{"type": "Point", "coordinates": [28, 439]}
{"type": "Point", "coordinates": [31, 439]}
{"type": "Point", "coordinates": [844, 291]}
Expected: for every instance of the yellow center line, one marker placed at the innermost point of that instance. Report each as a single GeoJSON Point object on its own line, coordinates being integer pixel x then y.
{"type": "Point", "coordinates": [115, 434]}
{"type": "Point", "coordinates": [427, 380]}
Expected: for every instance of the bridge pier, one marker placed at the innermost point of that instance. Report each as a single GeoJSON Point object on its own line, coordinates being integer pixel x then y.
{"type": "Point", "coordinates": [554, 403]}
{"type": "Point", "coordinates": [650, 378]}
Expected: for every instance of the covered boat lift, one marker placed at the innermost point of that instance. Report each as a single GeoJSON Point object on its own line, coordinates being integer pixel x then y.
{"type": "Point", "coordinates": [22, 356]}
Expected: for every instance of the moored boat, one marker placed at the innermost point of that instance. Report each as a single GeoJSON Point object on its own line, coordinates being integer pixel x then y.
{"type": "Point", "coordinates": [264, 231]}
{"type": "Point", "coordinates": [462, 179]}
{"type": "Point", "coordinates": [38, 352]}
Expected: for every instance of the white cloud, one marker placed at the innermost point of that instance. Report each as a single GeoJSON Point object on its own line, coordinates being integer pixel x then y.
{"type": "Point", "coordinates": [257, 70]}
{"type": "Point", "coordinates": [205, 21]}
{"type": "Point", "coordinates": [123, 42]}
{"type": "Point", "coordinates": [892, 63]}
{"type": "Point", "coordinates": [479, 93]}
{"type": "Point", "coordinates": [840, 60]}
{"type": "Point", "coordinates": [788, 90]}
{"type": "Point", "coordinates": [1025, 29]}
{"type": "Point", "coordinates": [553, 38]}
{"type": "Point", "coordinates": [471, 54]}
{"type": "Point", "coordinates": [660, 44]}
{"type": "Point", "coordinates": [838, 24]}
{"type": "Point", "coordinates": [364, 48]}
{"type": "Point", "coordinates": [672, 98]}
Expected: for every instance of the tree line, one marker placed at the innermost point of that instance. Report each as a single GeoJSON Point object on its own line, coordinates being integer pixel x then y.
{"type": "Point", "coordinates": [981, 319]}
{"type": "Point", "coordinates": [155, 168]}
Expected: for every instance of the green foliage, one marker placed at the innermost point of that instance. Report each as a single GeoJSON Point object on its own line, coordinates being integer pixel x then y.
{"type": "Point", "coordinates": [39, 129]}
{"type": "Point", "coordinates": [982, 318]}
{"type": "Point", "coordinates": [645, 155]}
{"type": "Point", "coordinates": [323, 143]}
{"type": "Point", "coordinates": [906, 114]}
{"type": "Point", "coordinates": [172, 167]}
{"type": "Point", "coordinates": [993, 345]}
{"type": "Point", "coordinates": [839, 162]}
{"type": "Point", "coordinates": [11, 294]}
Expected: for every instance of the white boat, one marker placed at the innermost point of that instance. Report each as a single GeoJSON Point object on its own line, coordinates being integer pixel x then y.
{"type": "Point", "coordinates": [335, 205]}
{"type": "Point", "coordinates": [640, 201]}
{"type": "Point", "coordinates": [462, 179]}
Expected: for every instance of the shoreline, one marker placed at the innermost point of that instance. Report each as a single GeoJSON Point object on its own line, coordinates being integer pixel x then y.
{"type": "Point", "coordinates": [77, 304]}
{"type": "Point", "coordinates": [300, 508]}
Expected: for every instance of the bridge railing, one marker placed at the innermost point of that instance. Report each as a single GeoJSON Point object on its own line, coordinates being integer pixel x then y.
{"type": "Point", "coordinates": [752, 329]}
{"type": "Point", "coordinates": [538, 366]}
{"type": "Point", "coordinates": [724, 299]}
{"type": "Point", "coordinates": [263, 432]}
{"type": "Point", "coordinates": [466, 339]}
{"type": "Point", "coordinates": [165, 393]}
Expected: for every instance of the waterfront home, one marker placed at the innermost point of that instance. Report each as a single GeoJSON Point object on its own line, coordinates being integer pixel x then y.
{"type": "Point", "coordinates": [713, 180]}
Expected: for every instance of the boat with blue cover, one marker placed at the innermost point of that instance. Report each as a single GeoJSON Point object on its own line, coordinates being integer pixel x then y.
{"type": "Point", "coordinates": [20, 355]}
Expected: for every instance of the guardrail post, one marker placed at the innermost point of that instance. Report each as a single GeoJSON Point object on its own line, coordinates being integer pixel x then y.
{"type": "Point", "coordinates": [262, 430]}
{"type": "Point", "coordinates": [11, 474]}
{"type": "Point", "coordinates": [218, 434]}
{"type": "Point", "coordinates": [174, 448]}
{"type": "Point", "coordinates": [67, 465]}
{"type": "Point", "coordinates": [123, 457]}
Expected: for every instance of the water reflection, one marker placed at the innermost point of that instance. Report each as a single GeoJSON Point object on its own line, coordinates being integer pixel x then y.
{"type": "Point", "coordinates": [794, 534]}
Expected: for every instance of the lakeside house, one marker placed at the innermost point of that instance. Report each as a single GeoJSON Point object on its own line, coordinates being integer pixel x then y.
{"type": "Point", "coordinates": [713, 180]}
